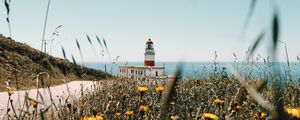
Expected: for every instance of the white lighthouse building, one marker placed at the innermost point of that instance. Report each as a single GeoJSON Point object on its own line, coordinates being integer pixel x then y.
{"type": "Point", "coordinates": [148, 71]}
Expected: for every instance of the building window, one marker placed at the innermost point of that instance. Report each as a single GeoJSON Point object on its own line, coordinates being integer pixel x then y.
{"type": "Point", "coordinates": [149, 46]}
{"type": "Point", "coordinates": [156, 73]}
{"type": "Point", "coordinates": [132, 71]}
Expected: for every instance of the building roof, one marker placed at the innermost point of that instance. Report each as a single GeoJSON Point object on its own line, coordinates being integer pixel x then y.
{"type": "Point", "coordinates": [143, 67]}
{"type": "Point", "coordinates": [149, 41]}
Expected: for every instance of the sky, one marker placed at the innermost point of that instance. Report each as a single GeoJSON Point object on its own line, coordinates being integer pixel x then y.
{"type": "Point", "coordinates": [189, 30]}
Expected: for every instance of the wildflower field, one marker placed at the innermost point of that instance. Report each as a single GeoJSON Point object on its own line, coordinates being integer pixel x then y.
{"type": "Point", "coordinates": [230, 95]}
{"type": "Point", "coordinates": [192, 99]}
{"type": "Point", "coordinates": [218, 98]}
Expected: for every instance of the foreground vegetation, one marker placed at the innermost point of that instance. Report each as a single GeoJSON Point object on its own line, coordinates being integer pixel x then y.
{"type": "Point", "coordinates": [193, 99]}
{"type": "Point", "coordinates": [215, 99]}
{"type": "Point", "coordinates": [208, 97]}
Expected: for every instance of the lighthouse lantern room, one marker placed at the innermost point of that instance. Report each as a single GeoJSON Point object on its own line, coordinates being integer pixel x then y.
{"type": "Point", "coordinates": [149, 54]}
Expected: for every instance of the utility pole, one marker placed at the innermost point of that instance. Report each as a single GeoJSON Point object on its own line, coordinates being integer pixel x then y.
{"type": "Point", "coordinates": [45, 46]}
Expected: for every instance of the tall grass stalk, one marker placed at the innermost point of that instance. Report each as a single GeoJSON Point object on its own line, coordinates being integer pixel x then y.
{"type": "Point", "coordinates": [169, 93]}
{"type": "Point", "coordinates": [7, 5]}
{"type": "Point", "coordinates": [45, 25]}
{"type": "Point", "coordinates": [79, 48]}
{"type": "Point", "coordinates": [55, 33]}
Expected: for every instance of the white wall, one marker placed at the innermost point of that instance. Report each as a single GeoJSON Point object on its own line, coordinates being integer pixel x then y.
{"type": "Point", "coordinates": [141, 72]}
{"type": "Point", "coordinates": [149, 57]}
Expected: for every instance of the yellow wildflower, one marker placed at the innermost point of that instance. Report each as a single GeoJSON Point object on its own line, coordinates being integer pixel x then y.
{"type": "Point", "coordinates": [118, 114]}
{"type": "Point", "coordinates": [85, 118]}
{"type": "Point", "coordinates": [34, 103]}
{"type": "Point", "coordinates": [142, 89]}
{"type": "Point", "coordinates": [261, 115]}
{"type": "Point", "coordinates": [82, 105]}
{"type": "Point", "coordinates": [172, 103]}
{"type": "Point", "coordinates": [174, 117]}
{"type": "Point", "coordinates": [129, 113]}
{"type": "Point", "coordinates": [295, 112]}
{"type": "Point", "coordinates": [238, 107]}
{"type": "Point", "coordinates": [143, 108]}
{"type": "Point", "coordinates": [98, 117]}
{"type": "Point", "coordinates": [218, 101]}
{"type": "Point", "coordinates": [210, 116]}
{"type": "Point", "coordinates": [159, 89]}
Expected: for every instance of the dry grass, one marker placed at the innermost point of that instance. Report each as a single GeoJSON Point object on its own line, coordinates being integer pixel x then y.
{"type": "Point", "coordinates": [224, 98]}
{"type": "Point", "coordinates": [215, 98]}
{"type": "Point", "coordinates": [218, 97]}
{"type": "Point", "coordinates": [232, 97]}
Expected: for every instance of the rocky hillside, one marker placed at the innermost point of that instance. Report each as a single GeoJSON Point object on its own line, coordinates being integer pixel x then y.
{"type": "Point", "coordinates": [21, 63]}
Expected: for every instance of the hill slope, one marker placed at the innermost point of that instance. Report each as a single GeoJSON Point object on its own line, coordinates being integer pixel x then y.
{"type": "Point", "coordinates": [21, 63]}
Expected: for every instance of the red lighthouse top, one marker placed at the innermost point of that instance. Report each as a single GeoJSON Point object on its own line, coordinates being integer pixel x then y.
{"type": "Point", "coordinates": [149, 41]}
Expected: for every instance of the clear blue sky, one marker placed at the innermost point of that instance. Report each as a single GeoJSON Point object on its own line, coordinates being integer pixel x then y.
{"type": "Point", "coordinates": [181, 29]}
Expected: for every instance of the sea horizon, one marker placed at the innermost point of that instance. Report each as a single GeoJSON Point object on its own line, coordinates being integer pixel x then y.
{"type": "Point", "coordinates": [202, 69]}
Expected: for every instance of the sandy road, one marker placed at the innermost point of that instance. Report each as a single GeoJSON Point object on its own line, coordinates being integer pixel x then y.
{"type": "Point", "coordinates": [58, 92]}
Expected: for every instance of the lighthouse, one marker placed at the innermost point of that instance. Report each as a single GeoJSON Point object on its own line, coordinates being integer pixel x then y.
{"type": "Point", "coordinates": [149, 54]}
{"type": "Point", "coordinates": [148, 71]}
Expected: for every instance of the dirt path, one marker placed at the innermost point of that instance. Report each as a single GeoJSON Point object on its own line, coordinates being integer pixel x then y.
{"type": "Point", "coordinates": [58, 92]}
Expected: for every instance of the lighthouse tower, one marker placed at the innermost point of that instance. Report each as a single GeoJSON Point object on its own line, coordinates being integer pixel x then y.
{"type": "Point", "coordinates": [147, 72]}
{"type": "Point", "coordinates": [149, 54]}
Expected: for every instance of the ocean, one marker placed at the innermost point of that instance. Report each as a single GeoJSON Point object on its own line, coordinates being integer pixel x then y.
{"type": "Point", "coordinates": [204, 69]}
